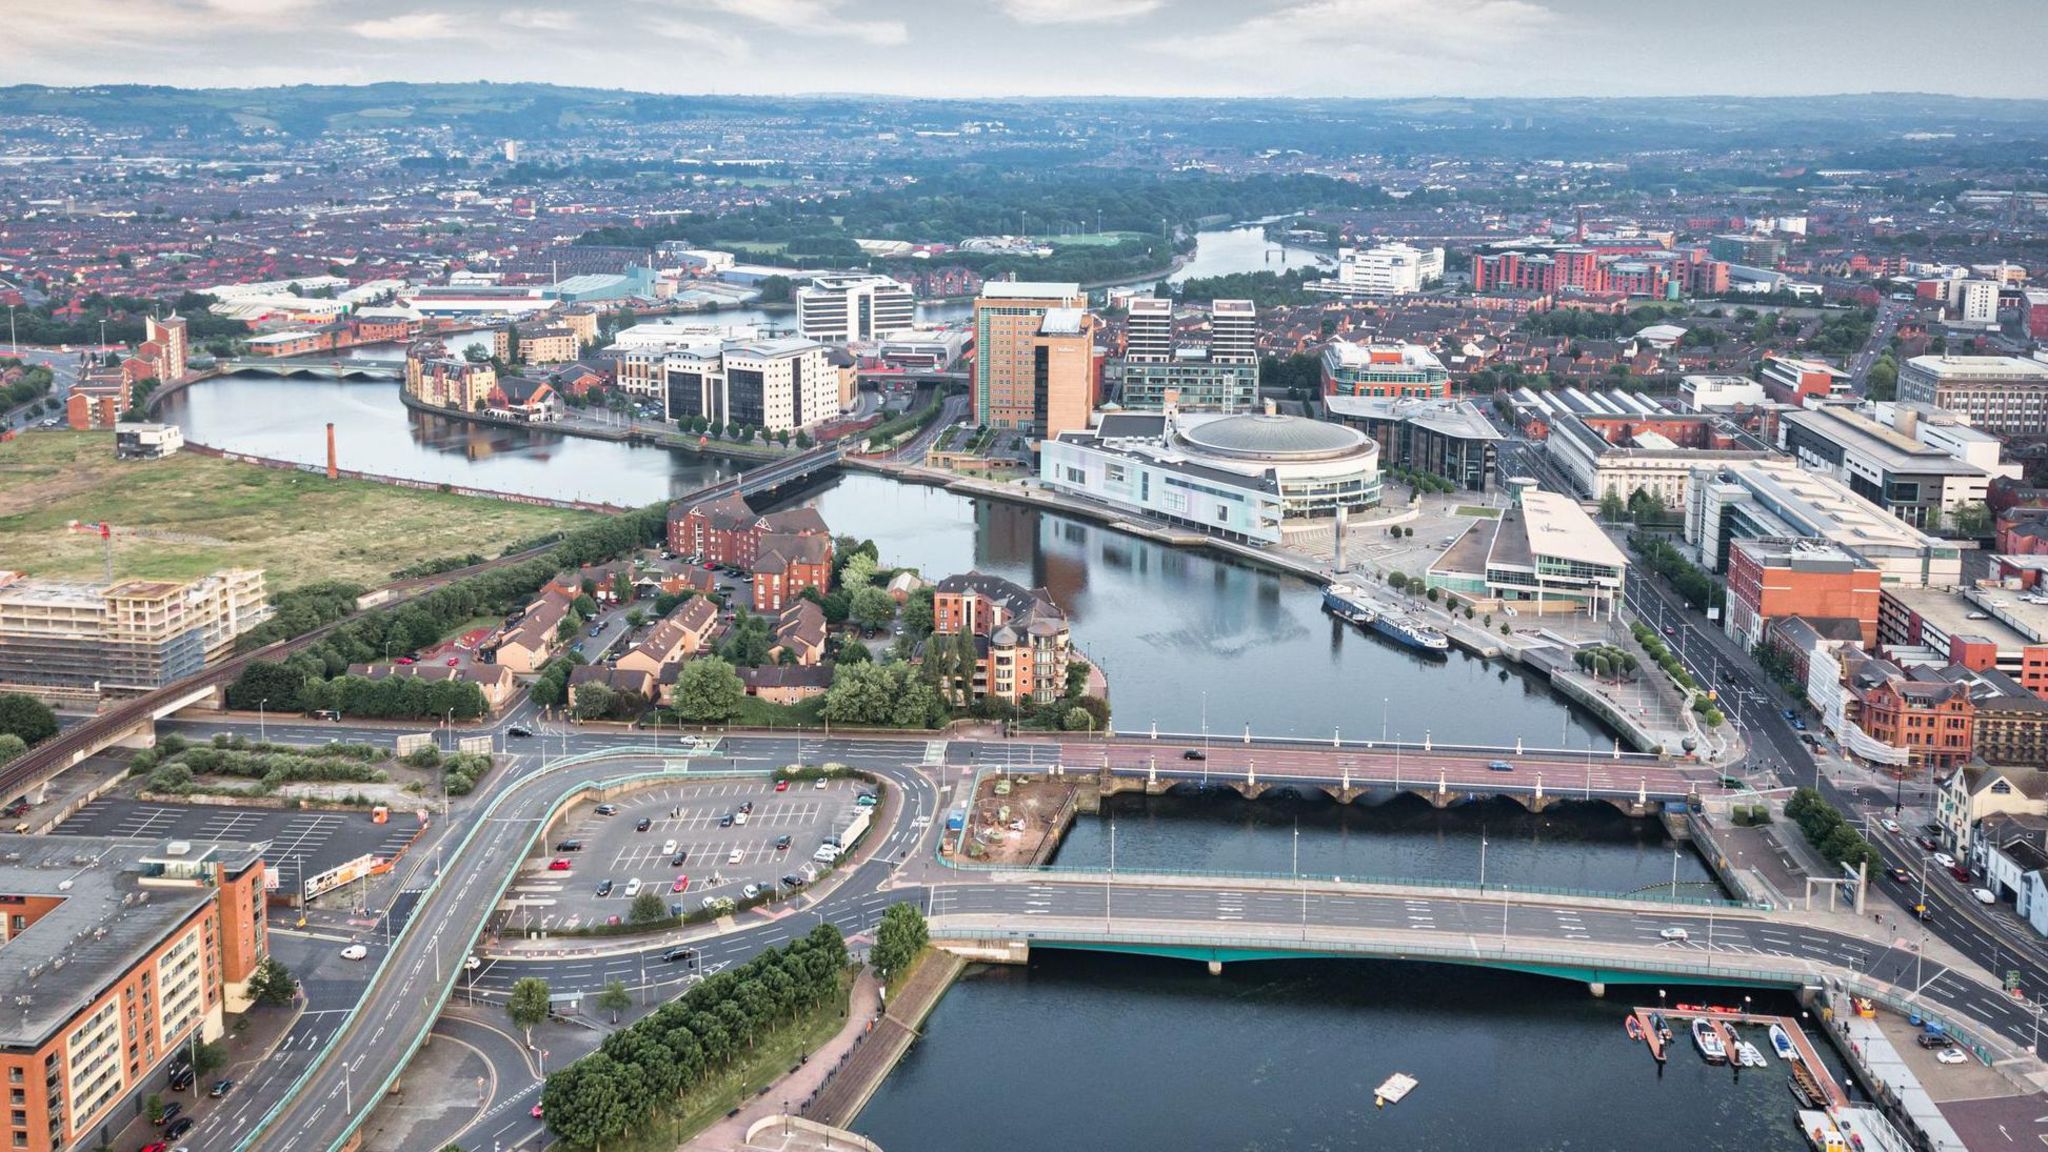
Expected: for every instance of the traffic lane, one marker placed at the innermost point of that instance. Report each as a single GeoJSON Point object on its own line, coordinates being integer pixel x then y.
{"type": "Point", "coordinates": [1956, 917]}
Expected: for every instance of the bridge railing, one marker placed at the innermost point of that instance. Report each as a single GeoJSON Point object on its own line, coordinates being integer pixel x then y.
{"type": "Point", "coordinates": [478, 823]}
{"type": "Point", "coordinates": [1234, 738]}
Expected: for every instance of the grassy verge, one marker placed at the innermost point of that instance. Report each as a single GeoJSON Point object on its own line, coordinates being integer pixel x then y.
{"type": "Point", "coordinates": [189, 515]}
{"type": "Point", "coordinates": [1479, 511]}
{"type": "Point", "coordinates": [758, 713]}
{"type": "Point", "coordinates": [772, 1058]}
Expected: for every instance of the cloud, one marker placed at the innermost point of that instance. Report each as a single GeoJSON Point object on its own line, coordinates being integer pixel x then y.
{"type": "Point", "coordinates": [715, 41]}
{"type": "Point", "coordinates": [1077, 11]}
{"type": "Point", "coordinates": [1337, 33]}
{"type": "Point", "coordinates": [542, 19]}
{"type": "Point", "coordinates": [255, 9]}
{"type": "Point", "coordinates": [411, 26]}
{"type": "Point", "coordinates": [815, 18]}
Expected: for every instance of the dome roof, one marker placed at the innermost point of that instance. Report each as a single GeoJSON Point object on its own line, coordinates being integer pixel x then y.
{"type": "Point", "coordinates": [1283, 437]}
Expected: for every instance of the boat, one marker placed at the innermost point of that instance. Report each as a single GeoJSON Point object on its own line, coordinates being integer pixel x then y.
{"type": "Point", "coordinates": [1803, 1094]}
{"type": "Point", "coordinates": [1820, 1131]}
{"type": "Point", "coordinates": [1635, 1028]}
{"type": "Point", "coordinates": [1752, 1057]}
{"type": "Point", "coordinates": [1708, 1041]}
{"type": "Point", "coordinates": [1781, 1043]}
{"type": "Point", "coordinates": [1351, 603]}
{"type": "Point", "coordinates": [1663, 1029]}
{"type": "Point", "coordinates": [1397, 1086]}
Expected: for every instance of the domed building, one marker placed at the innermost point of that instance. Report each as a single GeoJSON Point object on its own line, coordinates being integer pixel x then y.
{"type": "Point", "coordinates": [1241, 476]}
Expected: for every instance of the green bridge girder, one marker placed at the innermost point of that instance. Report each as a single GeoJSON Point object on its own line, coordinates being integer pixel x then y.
{"type": "Point", "coordinates": [1578, 973]}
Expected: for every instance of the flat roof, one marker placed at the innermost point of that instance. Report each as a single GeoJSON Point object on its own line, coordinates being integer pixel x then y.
{"type": "Point", "coordinates": [1896, 451]}
{"type": "Point", "coordinates": [1980, 367]}
{"type": "Point", "coordinates": [1062, 322]}
{"type": "Point", "coordinates": [1396, 355]}
{"type": "Point", "coordinates": [1029, 290]}
{"type": "Point", "coordinates": [1559, 527]}
{"type": "Point", "coordinates": [1828, 506]}
{"type": "Point", "coordinates": [1461, 419]}
{"type": "Point", "coordinates": [114, 905]}
{"type": "Point", "coordinates": [1951, 613]}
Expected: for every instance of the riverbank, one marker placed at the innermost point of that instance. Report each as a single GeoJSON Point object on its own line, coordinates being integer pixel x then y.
{"type": "Point", "coordinates": [676, 441]}
{"type": "Point", "coordinates": [854, 1082]}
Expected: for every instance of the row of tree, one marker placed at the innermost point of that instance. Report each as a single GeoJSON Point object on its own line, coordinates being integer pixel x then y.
{"type": "Point", "coordinates": [1699, 589]}
{"type": "Point", "coordinates": [656, 1062]}
{"type": "Point", "coordinates": [1830, 834]}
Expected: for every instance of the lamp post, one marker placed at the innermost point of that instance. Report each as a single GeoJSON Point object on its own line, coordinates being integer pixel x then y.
{"type": "Point", "coordinates": [262, 734]}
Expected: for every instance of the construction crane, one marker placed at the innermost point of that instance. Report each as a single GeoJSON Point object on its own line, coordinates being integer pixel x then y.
{"type": "Point", "coordinates": [106, 534]}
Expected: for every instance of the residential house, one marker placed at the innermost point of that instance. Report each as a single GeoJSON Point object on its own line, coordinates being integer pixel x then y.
{"type": "Point", "coordinates": [903, 583]}
{"type": "Point", "coordinates": [802, 633]}
{"type": "Point", "coordinates": [2006, 847]}
{"type": "Point", "coordinates": [786, 683]}
{"type": "Point", "coordinates": [787, 564]}
{"type": "Point", "coordinates": [1976, 791]}
{"type": "Point", "coordinates": [525, 399]}
{"type": "Point", "coordinates": [531, 641]}
{"type": "Point", "coordinates": [1021, 638]}
{"type": "Point", "coordinates": [677, 637]}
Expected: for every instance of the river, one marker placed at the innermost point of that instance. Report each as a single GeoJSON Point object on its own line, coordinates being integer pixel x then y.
{"type": "Point", "coordinates": [1084, 1051]}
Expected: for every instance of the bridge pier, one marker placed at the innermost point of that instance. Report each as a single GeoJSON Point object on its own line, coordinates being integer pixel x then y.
{"type": "Point", "coordinates": [1215, 967]}
{"type": "Point", "coordinates": [1598, 988]}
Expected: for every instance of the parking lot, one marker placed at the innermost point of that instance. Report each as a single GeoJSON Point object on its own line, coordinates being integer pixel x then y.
{"type": "Point", "coordinates": [687, 839]}
{"type": "Point", "coordinates": [301, 843]}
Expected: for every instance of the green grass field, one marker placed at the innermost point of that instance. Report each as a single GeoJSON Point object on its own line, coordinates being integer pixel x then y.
{"type": "Point", "coordinates": [1093, 239]}
{"type": "Point", "coordinates": [758, 247]}
{"type": "Point", "coordinates": [190, 514]}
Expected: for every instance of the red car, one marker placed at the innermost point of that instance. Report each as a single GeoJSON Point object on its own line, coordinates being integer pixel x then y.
{"type": "Point", "coordinates": [710, 567]}
{"type": "Point", "coordinates": [559, 864]}
{"type": "Point", "coordinates": [159, 1146]}
{"type": "Point", "coordinates": [681, 883]}
{"type": "Point", "coordinates": [403, 660]}
{"type": "Point", "coordinates": [782, 785]}
{"type": "Point", "coordinates": [536, 1111]}
{"type": "Point", "coordinates": [454, 661]}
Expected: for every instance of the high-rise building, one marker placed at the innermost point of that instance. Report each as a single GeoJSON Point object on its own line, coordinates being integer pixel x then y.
{"type": "Point", "coordinates": [130, 636]}
{"type": "Point", "coordinates": [1220, 376]}
{"type": "Point", "coordinates": [840, 308]}
{"type": "Point", "coordinates": [1034, 361]}
{"type": "Point", "coordinates": [777, 385]}
{"type": "Point", "coordinates": [1387, 269]}
{"type": "Point", "coordinates": [2001, 394]}
{"type": "Point", "coordinates": [114, 969]}
{"type": "Point", "coordinates": [1233, 332]}
{"type": "Point", "coordinates": [1771, 578]}
{"type": "Point", "coordinates": [168, 335]}
{"type": "Point", "coordinates": [1977, 303]}
{"type": "Point", "coordinates": [1148, 337]}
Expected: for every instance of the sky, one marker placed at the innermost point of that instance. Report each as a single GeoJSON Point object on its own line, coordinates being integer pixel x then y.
{"type": "Point", "coordinates": [939, 48]}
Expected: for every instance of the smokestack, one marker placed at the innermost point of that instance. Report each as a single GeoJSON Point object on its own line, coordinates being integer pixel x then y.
{"type": "Point", "coordinates": [332, 471]}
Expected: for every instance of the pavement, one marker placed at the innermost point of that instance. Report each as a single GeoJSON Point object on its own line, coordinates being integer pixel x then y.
{"type": "Point", "coordinates": [730, 1134]}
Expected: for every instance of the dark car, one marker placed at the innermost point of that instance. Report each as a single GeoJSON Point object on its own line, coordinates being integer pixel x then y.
{"type": "Point", "coordinates": [682, 855]}
{"type": "Point", "coordinates": [178, 1128]}
{"type": "Point", "coordinates": [607, 809]}
{"type": "Point", "coordinates": [604, 887]}
{"type": "Point", "coordinates": [792, 881]}
{"type": "Point", "coordinates": [181, 1078]}
{"type": "Point", "coordinates": [1499, 766]}
{"type": "Point", "coordinates": [643, 825]}
{"type": "Point", "coordinates": [1927, 842]}
{"type": "Point", "coordinates": [569, 846]}
{"type": "Point", "coordinates": [1960, 872]}
{"type": "Point", "coordinates": [171, 1112]}
{"type": "Point", "coordinates": [18, 806]}
{"type": "Point", "coordinates": [518, 732]}
{"type": "Point", "coordinates": [221, 1088]}
{"type": "Point", "coordinates": [1933, 1040]}
{"type": "Point", "coordinates": [675, 954]}
{"type": "Point", "coordinates": [725, 821]}
{"type": "Point", "coordinates": [782, 843]}
{"type": "Point", "coordinates": [1194, 754]}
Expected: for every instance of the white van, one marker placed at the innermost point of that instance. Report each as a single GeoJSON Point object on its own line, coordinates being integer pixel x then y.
{"type": "Point", "coordinates": [739, 855]}
{"type": "Point", "coordinates": [632, 887]}
{"type": "Point", "coordinates": [826, 853]}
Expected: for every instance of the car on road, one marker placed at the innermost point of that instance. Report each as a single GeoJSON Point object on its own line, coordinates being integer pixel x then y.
{"type": "Point", "coordinates": [1798, 725]}
{"type": "Point", "coordinates": [18, 806]}
{"type": "Point", "coordinates": [1890, 825]}
{"type": "Point", "coordinates": [220, 1088]}
{"type": "Point", "coordinates": [1950, 1056]}
{"type": "Point", "coordinates": [402, 661]}
{"type": "Point", "coordinates": [354, 952]}
{"type": "Point", "coordinates": [1788, 714]}
{"type": "Point", "coordinates": [1499, 766]}
{"type": "Point", "coordinates": [675, 954]}
{"type": "Point", "coordinates": [682, 884]}
{"type": "Point", "coordinates": [559, 864]}
{"type": "Point", "coordinates": [1900, 874]}
{"type": "Point", "coordinates": [1944, 860]}
{"type": "Point", "coordinates": [519, 732]}
{"type": "Point", "coordinates": [156, 1146]}
{"type": "Point", "coordinates": [1984, 895]}
{"type": "Point", "coordinates": [455, 661]}
{"type": "Point", "coordinates": [1674, 934]}
{"type": "Point", "coordinates": [1960, 871]}
{"type": "Point", "coordinates": [604, 887]}
{"type": "Point", "coordinates": [607, 809]}
{"type": "Point", "coordinates": [644, 824]}
{"type": "Point", "coordinates": [472, 963]}
{"type": "Point", "coordinates": [1194, 754]}
{"type": "Point", "coordinates": [782, 785]}
{"type": "Point", "coordinates": [178, 1127]}
{"type": "Point", "coordinates": [171, 1112]}
{"type": "Point", "coordinates": [1927, 842]}
{"type": "Point", "coordinates": [682, 855]}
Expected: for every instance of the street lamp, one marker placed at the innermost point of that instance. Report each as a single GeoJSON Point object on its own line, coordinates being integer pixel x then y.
{"type": "Point", "coordinates": [262, 736]}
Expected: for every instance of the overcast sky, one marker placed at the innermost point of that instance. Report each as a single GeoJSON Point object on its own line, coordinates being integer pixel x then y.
{"type": "Point", "coordinates": [1048, 47]}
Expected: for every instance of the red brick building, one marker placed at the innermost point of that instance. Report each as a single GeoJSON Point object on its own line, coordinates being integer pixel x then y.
{"type": "Point", "coordinates": [1770, 579]}
{"type": "Point", "coordinates": [785, 552]}
{"type": "Point", "coordinates": [1931, 719]}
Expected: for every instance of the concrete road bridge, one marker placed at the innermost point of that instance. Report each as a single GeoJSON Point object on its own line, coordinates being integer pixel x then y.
{"type": "Point", "coordinates": [328, 367]}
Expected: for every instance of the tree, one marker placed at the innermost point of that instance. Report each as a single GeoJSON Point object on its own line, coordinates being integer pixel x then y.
{"type": "Point", "coordinates": [594, 701]}
{"type": "Point", "coordinates": [850, 651]}
{"type": "Point", "coordinates": [635, 617]}
{"type": "Point", "coordinates": [858, 573]}
{"type": "Point", "coordinates": [26, 717]}
{"type": "Point", "coordinates": [12, 746]}
{"type": "Point", "coordinates": [917, 613]}
{"type": "Point", "coordinates": [613, 997]}
{"type": "Point", "coordinates": [647, 908]}
{"type": "Point", "coordinates": [872, 608]}
{"type": "Point", "coordinates": [708, 691]}
{"type": "Point", "coordinates": [272, 983]}
{"type": "Point", "coordinates": [898, 939]}
{"type": "Point", "coordinates": [1882, 381]}
{"type": "Point", "coordinates": [528, 1004]}
{"type": "Point", "coordinates": [1612, 508]}
{"type": "Point", "coordinates": [208, 1058]}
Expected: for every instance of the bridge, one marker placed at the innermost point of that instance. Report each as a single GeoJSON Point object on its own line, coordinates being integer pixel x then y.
{"type": "Point", "coordinates": [331, 367]}
{"type": "Point", "coordinates": [773, 475]}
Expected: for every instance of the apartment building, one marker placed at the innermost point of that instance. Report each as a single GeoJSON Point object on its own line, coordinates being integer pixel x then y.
{"type": "Point", "coordinates": [1999, 394]}
{"type": "Point", "coordinates": [556, 344]}
{"type": "Point", "coordinates": [1383, 370]}
{"type": "Point", "coordinates": [117, 953]}
{"type": "Point", "coordinates": [777, 385]}
{"type": "Point", "coordinates": [1034, 363]}
{"type": "Point", "coordinates": [1790, 380]}
{"type": "Point", "coordinates": [1387, 269]}
{"type": "Point", "coordinates": [836, 309]}
{"type": "Point", "coordinates": [1021, 640]}
{"type": "Point", "coordinates": [1221, 375]}
{"type": "Point", "coordinates": [67, 636]}
{"type": "Point", "coordinates": [437, 379]}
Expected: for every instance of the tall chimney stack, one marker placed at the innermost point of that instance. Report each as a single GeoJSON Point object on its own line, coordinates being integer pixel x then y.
{"type": "Point", "coordinates": [332, 471]}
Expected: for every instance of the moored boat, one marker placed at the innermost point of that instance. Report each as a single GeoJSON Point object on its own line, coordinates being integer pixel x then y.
{"type": "Point", "coordinates": [1781, 1043]}
{"type": "Point", "coordinates": [1354, 604]}
{"type": "Point", "coordinates": [1634, 1027]}
{"type": "Point", "coordinates": [1663, 1029]}
{"type": "Point", "coordinates": [1708, 1041]}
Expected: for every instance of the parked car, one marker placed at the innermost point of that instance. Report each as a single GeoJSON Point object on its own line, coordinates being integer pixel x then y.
{"type": "Point", "coordinates": [1984, 895]}
{"type": "Point", "coordinates": [792, 881]}
{"type": "Point", "coordinates": [750, 891]}
{"type": "Point", "coordinates": [559, 864]}
{"type": "Point", "coordinates": [1933, 1040]}
{"type": "Point", "coordinates": [725, 821]}
{"type": "Point", "coordinates": [820, 785]}
{"type": "Point", "coordinates": [643, 825]}
{"type": "Point", "coordinates": [1960, 872]}
{"type": "Point", "coordinates": [632, 887]}
{"type": "Point", "coordinates": [739, 818]}
{"type": "Point", "coordinates": [354, 952]}
{"type": "Point", "coordinates": [782, 785]}
{"type": "Point", "coordinates": [171, 1112]}
{"type": "Point", "coordinates": [455, 661]}
{"type": "Point", "coordinates": [1950, 1056]}
{"type": "Point", "coordinates": [178, 1127]}
{"type": "Point", "coordinates": [569, 846]}
{"type": "Point", "coordinates": [682, 884]}
{"type": "Point", "coordinates": [607, 809]}
{"type": "Point", "coordinates": [782, 843]}
{"type": "Point", "coordinates": [682, 854]}
{"type": "Point", "coordinates": [604, 888]}
{"type": "Point", "coordinates": [403, 660]}
{"type": "Point", "coordinates": [472, 963]}
{"type": "Point", "coordinates": [668, 846]}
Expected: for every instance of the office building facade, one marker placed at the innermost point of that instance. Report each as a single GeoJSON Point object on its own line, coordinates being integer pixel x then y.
{"type": "Point", "coordinates": [1034, 364]}
{"type": "Point", "coordinates": [836, 309]}
{"type": "Point", "coordinates": [2000, 394]}
{"type": "Point", "coordinates": [1387, 269]}
{"type": "Point", "coordinates": [1219, 376]}
{"type": "Point", "coordinates": [1383, 370]}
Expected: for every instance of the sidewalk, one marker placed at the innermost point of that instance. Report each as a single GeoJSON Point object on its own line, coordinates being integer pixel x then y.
{"type": "Point", "coordinates": [730, 1134]}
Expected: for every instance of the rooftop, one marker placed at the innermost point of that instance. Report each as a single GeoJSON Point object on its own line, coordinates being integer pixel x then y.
{"type": "Point", "coordinates": [1460, 419]}
{"type": "Point", "coordinates": [1414, 357]}
{"type": "Point", "coordinates": [116, 899]}
{"type": "Point", "coordinates": [1029, 290]}
{"type": "Point", "coordinates": [1559, 527]}
{"type": "Point", "coordinates": [1820, 505]}
{"type": "Point", "coordinates": [1896, 451]}
{"type": "Point", "coordinates": [1267, 437]}
{"type": "Point", "coordinates": [1980, 368]}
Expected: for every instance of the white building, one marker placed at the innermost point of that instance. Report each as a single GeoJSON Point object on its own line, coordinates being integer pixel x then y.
{"type": "Point", "coordinates": [1737, 500]}
{"type": "Point", "coordinates": [1712, 393]}
{"type": "Point", "coordinates": [776, 385]}
{"type": "Point", "coordinates": [1977, 303]}
{"type": "Point", "coordinates": [1387, 269]}
{"type": "Point", "coordinates": [854, 307]}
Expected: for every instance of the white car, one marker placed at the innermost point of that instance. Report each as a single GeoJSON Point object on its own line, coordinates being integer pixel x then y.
{"type": "Point", "coordinates": [820, 785]}
{"type": "Point", "coordinates": [668, 848]}
{"type": "Point", "coordinates": [1950, 1056]}
{"type": "Point", "coordinates": [1984, 895]}
{"type": "Point", "coordinates": [473, 963]}
{"type": "Point", "coordinates": [1944, 860]}
{"type": "Point", "coordinates": [1675, 934]}
{"type": "Point", "coordinates": [1890, 825]}
{"type": "Point", "coordinates": [354, 952]}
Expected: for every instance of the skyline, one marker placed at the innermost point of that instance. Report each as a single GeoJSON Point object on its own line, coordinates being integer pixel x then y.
{"type": "Point", "coordinates": [1034, 48]}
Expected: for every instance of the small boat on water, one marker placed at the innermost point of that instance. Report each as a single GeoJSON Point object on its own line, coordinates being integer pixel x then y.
{"type": "Point", "coordinates": [1635, 1028]}
{"type": "Point", "coordinates": [1708, 1041]}
{"type": "Point", "coordinates": [1663, 1029]}
{"type": "Point", "coordinates": [1396, 1086]}
{"type": "Point", "coordinates": [1781, 1043]}
{"type": "Point", "coordinates": [1752, 1056]}
{"type": "Point", "coordinates": [1803, 1094]}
